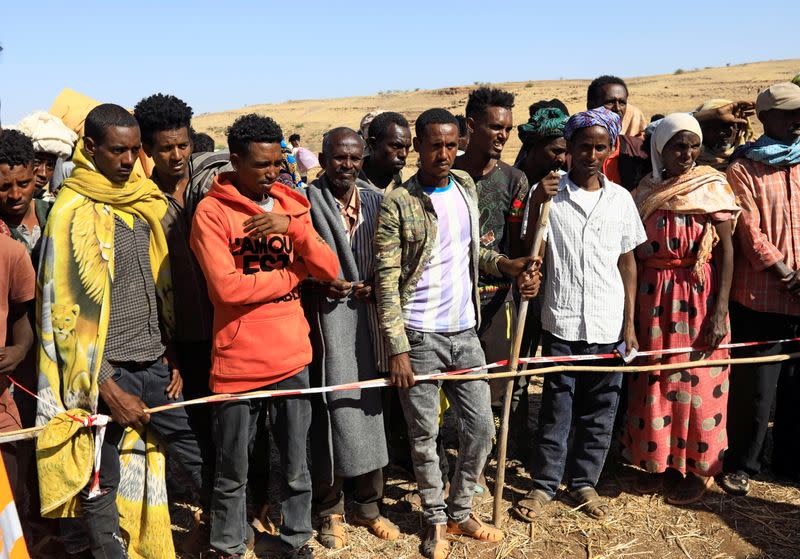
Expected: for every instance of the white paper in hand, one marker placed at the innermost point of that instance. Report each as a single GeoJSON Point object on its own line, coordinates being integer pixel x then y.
{"type": "Point", "coordinates": [627, 357]}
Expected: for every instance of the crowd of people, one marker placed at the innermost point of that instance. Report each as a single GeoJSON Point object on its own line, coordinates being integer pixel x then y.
{"type": "Point", "coordinates": [141, 268]}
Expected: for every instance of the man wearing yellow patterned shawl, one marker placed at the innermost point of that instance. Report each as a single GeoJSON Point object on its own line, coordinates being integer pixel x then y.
{"type": "Point", "coordinates": [104, 312]}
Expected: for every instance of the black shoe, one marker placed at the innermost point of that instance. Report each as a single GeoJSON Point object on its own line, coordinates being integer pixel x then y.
{"type": "Point", "coordinates": [303, 552]}
{"type": "Point", "coordinates": [734, 483]}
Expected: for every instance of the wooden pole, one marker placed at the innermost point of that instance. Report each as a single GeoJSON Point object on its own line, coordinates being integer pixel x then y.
{"type": "Point", "coordinates": [513, 364]}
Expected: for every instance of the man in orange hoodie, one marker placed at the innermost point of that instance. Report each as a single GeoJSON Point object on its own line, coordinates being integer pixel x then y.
{"type": "Point", "coordinates": [254, 241]}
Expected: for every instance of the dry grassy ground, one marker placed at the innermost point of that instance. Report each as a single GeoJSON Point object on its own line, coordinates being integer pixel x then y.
{"type": "Point", "coordinates": [653, 94]}
{"type": "Point", "coordinates": [764, 524]}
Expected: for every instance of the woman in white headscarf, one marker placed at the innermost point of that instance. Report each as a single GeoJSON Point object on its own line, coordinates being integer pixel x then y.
{"type": "Point", "coordinates": [676, 419]}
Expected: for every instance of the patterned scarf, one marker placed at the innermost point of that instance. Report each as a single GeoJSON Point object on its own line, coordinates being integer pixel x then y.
{"type": "Point", "coordinates": [594, 117]}
{"type": "Point", "coordinates": [772, 152]}
{"type": "Point", "coordinates": [700, 191]}
{"type": "Point", "coordinates": [547, 122]}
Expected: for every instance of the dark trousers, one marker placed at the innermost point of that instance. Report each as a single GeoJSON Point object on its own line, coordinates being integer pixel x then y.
{"type": "Point", "coordinates": [235, 424]}
{"type": "Point", "coordinates": [100, 513]}
{"type": "Point", "coordinates": [585, 402]}
{"type": "Point", "coordinates": [755, 387]}
{"type": "Point", "coordinates": [367, 492]}
{"type": "Point", "coordinates": [498, 323]}
{"type": "Point", "coordinates": [195, 364]}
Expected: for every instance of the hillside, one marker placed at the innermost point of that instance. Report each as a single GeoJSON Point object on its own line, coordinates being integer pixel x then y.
{"type": "Point", "coordinates": [653, 94]}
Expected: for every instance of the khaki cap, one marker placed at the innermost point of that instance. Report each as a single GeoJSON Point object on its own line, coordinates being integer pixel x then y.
{"type": "Point", "coordinates": [783, 96]}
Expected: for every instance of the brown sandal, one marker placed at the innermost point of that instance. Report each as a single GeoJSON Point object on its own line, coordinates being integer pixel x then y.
{"type": "Point", "coordinates": [587, 500]}
{"type": "Point", "coordinates": [435, 544]}
{"type": "Point", "coordinates": [530, 507]}
{"type": "Point", "coordinates": [689, 490]}
{"type": "Point", "coordinates": [474, 528]}
{"type": "Point", "coordinates": [331, 533]}
{"type": "Point", "coordinates": [380, 527]}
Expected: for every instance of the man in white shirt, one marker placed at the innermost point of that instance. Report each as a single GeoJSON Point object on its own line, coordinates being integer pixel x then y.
{"type": "Point", "coordinates": [588, 308]}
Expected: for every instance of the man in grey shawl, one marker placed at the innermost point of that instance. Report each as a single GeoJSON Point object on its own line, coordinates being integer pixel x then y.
{"type": "Point", "coordinates": [348, 439]}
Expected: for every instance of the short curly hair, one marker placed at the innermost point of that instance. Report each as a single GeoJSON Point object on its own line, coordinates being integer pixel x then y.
{"type": "Point", "coordinates": [482, 98]}
{"type": "Point", "coordinates": [15, 148]}
{"type": "Point", "coordinates": [433, 116]}
{"type": "Point", "coordinates": [161, 112]}
{"type": "Point", "coordinates": [252, 128]}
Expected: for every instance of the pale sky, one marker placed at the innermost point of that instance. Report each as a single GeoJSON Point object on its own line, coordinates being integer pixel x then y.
{"type": "Point", "coordinates": [225, 55]}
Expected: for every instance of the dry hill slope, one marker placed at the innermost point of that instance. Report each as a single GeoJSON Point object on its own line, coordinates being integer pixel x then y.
{"type": "Point", "coordinates": [653, 94]}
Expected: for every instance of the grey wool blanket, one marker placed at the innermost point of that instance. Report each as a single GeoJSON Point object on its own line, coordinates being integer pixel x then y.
{"type": "Point", "coordinates": [347, 431]}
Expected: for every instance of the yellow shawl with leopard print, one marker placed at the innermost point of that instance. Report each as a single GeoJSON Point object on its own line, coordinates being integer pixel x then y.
{"type": "Point", "coordinates": [73, 302]}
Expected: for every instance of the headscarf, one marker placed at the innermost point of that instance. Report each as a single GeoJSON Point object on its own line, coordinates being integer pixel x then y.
{"type": "Point", "coordinates": [700, 191]}
{"type": "Point", "coordinates": [664, 130]}
{"type": "Point", "coordinates": [49, 134]}
{"type": "Point", "coordinates": [594, 117]}
{"type": "Point", "coordinates": [548, 122]}
{"type": "Point", "coordinates": [719, 160]}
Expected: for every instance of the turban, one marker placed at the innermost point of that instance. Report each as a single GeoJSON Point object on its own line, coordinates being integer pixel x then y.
{"type": "Point", "coordinates": [665, 129]}
{"type": "Point", "coordinates": [547, 122]}
{"type": "Point", "coordinates": [49, 134]}
{"type": "Point", "coordinates": [595, 117]}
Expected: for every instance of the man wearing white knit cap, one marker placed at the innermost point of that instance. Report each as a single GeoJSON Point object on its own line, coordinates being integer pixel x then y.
{"type": "Point", "coordinates": [52, 140]}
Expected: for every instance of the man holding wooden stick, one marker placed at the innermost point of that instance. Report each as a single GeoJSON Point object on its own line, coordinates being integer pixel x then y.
{"type": "Point", "coordinates": [588, 307]}
{"type": "Point", "coordinates": [427, 261]}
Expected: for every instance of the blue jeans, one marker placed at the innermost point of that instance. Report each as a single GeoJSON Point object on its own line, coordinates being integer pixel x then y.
{"type": "Point", "coordinates": [431, 353]}
{"type": "Point", "coordinates": [585, 402]}
{"type": "Point", "coordinates": [235, 424]}
{"type": "Point", "coordinates": [100, 513]}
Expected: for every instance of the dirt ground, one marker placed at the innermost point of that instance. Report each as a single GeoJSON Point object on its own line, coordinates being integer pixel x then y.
{"type": "Point", "coordinates": [664, 94]}
{"type": "Point", "coordinates": [764, 524]}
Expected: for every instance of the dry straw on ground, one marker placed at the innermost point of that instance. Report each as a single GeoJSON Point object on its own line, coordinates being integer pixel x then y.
{"type": "Point", "coordinates": [764, 524]}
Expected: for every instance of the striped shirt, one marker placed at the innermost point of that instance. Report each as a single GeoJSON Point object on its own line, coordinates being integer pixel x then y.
{"type": "Point", "coordinates": [768, 232]}
{"type": "Point", "coordinates": [442, 299]}
{"type": "Point", "coordinates": [584, 297]}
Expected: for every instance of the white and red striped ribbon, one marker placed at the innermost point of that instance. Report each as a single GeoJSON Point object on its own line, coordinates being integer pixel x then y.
{"type": "Point", "coordinates": [382, 382]}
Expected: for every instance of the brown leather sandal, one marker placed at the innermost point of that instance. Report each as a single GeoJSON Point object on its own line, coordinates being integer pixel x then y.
{"type": "Point", "coordinates": [689, 490]}
{"type": "Point", "coordinates": [380, 527]}
{"type": "Point", "coordinates": [530, 507]}
{"type": "Point", "coordinates": [476, 529]}
{"type": "Point", "coordinates": [332, 533]}
{"type": "Point", "coordinates": [587, 500]}
{"type": "Point", "coordinates": [435, 544]}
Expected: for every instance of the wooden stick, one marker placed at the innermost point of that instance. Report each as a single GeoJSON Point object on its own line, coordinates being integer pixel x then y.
{"type": "Point", "coordinates": [33, 432]}
{"type": "Point", "coordinates": [700, 364]}
{"type": "Point", "coordinates": [513, 364]}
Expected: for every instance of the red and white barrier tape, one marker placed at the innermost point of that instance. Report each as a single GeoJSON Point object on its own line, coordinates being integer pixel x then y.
{"type": "Point", "coordinates": [382, 382]}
